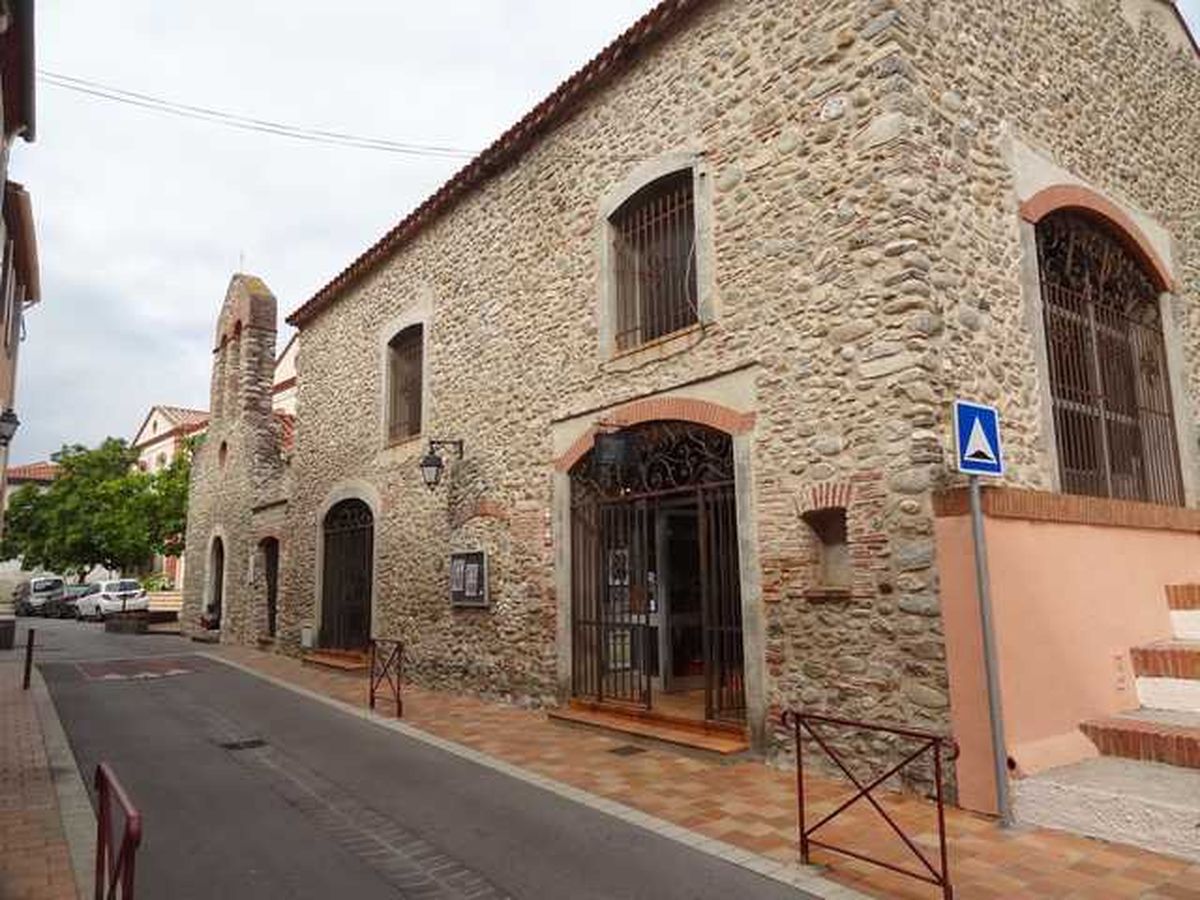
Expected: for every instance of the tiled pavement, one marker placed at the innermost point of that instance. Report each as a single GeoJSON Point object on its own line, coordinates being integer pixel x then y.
{"type": "Point", "coordinates": [751, 805]}
{"type": "Point", "coordinates": [35, 863]}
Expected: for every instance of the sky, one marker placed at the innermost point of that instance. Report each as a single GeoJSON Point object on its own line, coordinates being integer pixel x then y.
{"type": "Point", "coordinates": [142, 217]}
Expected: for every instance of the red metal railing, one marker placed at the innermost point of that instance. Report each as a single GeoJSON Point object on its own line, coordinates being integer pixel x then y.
{"type": "Point", "coordinates": [928, 743]}
{"type": "Point", "coordinates": [114, 871]}
{"type": "Point", "coordinates": [387, 668]}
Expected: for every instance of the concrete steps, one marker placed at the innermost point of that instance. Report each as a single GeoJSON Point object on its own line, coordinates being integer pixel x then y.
{"type": "Point", "coordinates": [1144, 788]}
{"type": "Point", "coordinates": [1146, 804]}
{"type": "Point", "coordinates": [1168, 675]}
{"type": "Point", "coordinates": [1163, 736]}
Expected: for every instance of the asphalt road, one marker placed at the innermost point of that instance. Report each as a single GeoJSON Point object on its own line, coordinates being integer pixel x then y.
{"type": "Point", "coordinates": [252, 791]}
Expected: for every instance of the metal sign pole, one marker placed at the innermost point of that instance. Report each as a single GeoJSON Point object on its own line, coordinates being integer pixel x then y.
{"type": "Point", "coordinates": [982, 584]}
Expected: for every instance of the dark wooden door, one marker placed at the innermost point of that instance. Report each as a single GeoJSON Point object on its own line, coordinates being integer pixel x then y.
{"type": "Point", "coordinates": [346, 587]}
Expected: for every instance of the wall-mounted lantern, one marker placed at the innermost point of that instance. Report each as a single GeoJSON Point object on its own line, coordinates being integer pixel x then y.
{"type": "Point", "coordinates": [8, 426]}
{"type": "Point", "coordinates": [431, 463]}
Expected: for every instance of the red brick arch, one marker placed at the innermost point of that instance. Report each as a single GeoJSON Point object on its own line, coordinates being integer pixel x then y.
{"type": "Point", "coordinates": [1074, 196]}
{"type": "Point", "coordinates": [654, 409]}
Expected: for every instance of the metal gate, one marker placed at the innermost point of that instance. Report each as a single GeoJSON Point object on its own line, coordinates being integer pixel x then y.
{"type": "Point", "coordinates": [347, 571]}
{"type": "Point", "coordinates": [622, 635]}
{"type": "Point", "coordinates": [1111, 396]}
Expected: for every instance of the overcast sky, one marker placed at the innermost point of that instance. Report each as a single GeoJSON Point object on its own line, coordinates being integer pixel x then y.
{"type": "Point", "coordinates": [143, 217]}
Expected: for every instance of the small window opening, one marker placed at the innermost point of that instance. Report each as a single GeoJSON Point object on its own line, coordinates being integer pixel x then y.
{"type": "Point", "coordinates": [405, 362]}
{"type": "Point", "coordinates": [222, 454]}
{"type": "Point", "coordinates": [829, 525]}
{"type": "Point", "coordinates": [654, 249]}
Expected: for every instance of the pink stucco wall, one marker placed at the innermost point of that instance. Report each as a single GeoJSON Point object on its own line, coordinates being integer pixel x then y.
{"type": "Point", "coordinates": [1069, 602]}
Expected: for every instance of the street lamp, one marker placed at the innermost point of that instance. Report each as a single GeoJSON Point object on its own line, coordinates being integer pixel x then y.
{"type": "Point", "coordinates": [8, 426]}
{"type": "Point", "coordinates": [431, 463]}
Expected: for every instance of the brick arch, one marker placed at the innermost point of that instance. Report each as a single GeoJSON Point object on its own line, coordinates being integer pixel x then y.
{"type": "Point", "coordinates": [1077, 197]}
{"type": "Point", "coordinates": [654, 409]}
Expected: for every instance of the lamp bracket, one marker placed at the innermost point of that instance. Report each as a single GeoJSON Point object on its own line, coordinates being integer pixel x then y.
{"type": "Point", "coordinates": [456, 446]}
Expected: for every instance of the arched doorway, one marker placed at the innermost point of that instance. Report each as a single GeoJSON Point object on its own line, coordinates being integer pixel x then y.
{"type": "Point", "coordinates": [655, 584]}
{"type": "Point", "coordinates": [269, 548]}
{"type": "Point", "coordinates": [347, 576]}
{"type": "Point", "coordinates": [216, 575]}
{"type": "Point", "coordinates": [1109, 384]}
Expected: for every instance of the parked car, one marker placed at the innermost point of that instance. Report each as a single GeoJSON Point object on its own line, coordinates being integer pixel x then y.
{"type": "Point", "coordinates": [75, 593]}
{"type": "Point", "coordinates": [126, 595]}
{"type": "Point", "coordinates": [46, 593]}
{"type": "Point", "coordinates": [109, 597]}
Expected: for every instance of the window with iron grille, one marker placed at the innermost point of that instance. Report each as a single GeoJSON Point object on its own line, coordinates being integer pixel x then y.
{"type": "Point", "coordinates": [654, 244]}
{"type": "Point", "coordinates": [405, 358]}
{"type": "Point", "coordinates": [1110, 388]}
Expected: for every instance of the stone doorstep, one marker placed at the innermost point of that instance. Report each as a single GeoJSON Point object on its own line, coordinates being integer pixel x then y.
{"type": "Point", "coordinates": [338, 660]}
{"type": "Point", "coordinates": [1125, 801]}
{"type": "Point", "coordinates": [1149, 735]}
{"type": "Point", "coordinates": [1167, 659]}
{"type": "Point", "coordinates": [717, 741]}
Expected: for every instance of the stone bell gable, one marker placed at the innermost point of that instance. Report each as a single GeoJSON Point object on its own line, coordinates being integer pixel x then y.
{"type": "Point", "coordinates": [238, 473]}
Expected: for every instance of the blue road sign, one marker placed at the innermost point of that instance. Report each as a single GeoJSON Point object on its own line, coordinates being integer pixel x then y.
{"type": "Point", "coordinates": [977, 438]}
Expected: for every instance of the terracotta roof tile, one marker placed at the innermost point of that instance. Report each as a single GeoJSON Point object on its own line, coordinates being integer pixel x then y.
{"type": "Point", "coordinates": [539, 121]}
{"type": "Point", "coordinates": [38, 471]}
{"type": "Point", "coordinates": [181, 415]}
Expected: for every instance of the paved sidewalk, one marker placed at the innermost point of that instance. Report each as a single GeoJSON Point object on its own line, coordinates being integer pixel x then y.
{"type": "Point", "coordinates": [751, 805]}
{"type": "Point", "coordinates": [35, 862]}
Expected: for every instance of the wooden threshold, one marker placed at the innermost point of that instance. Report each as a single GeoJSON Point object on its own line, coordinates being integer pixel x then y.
{"type": "Point", "coordinates": [351, 661]}
{"type": "Point", "coordinates": [714, 737]}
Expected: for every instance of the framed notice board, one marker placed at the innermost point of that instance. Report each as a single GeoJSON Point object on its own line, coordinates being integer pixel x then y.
{"type": "Point", "coordinates": [468, 579]}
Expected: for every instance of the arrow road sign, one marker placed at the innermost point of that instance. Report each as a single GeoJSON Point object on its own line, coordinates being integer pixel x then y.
{"type": "Point", "coordinates": [977, 439]}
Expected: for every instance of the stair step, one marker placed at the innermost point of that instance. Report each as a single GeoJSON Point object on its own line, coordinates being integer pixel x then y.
{"type": "Point", "coordinates": [1170, 737]}
{"type": "Point", "coordinates": [1167, 659]}
{"type": "Point", "coordinates": [1122, 800]}
{"type": "Point", "coordinates": [339, 660]}
{"type": "Point", "coordinates": [1183, 596]}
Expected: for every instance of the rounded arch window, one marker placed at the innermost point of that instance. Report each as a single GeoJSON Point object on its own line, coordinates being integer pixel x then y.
{"type": "Point", "coordinates": [1109, 383]}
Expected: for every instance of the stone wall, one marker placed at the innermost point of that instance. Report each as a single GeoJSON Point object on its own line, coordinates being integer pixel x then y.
{"type": "Point", "coordinates": [866, 269]}
{"type": "Point", "coordinates": [239, 482]}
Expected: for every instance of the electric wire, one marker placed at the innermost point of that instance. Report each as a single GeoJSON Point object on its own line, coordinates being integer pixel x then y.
{"type": "Point", "coordinates": [246, 123]}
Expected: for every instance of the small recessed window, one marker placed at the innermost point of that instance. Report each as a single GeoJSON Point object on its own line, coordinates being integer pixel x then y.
{"type": "Point", "coordinates": [405, 364]}
{"type": "Point", "coordinates": [222, 454]}
{"type": "Point", "coordinates": [654, 261]}
{"type": "Point", "coordinates": [833, 565]}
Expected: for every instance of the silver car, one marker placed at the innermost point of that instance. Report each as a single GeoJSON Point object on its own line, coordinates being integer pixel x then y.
{"type": "Point", "coordinates": [46, 592]}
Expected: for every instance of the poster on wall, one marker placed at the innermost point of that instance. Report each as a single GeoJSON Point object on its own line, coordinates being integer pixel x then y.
{"type": "Point", "coordinates": [468, 579]}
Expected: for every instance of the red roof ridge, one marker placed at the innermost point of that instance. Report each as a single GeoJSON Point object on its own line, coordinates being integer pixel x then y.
{"type": "Point", "coordinates": [42, 470]}
{"type": "Point", "coordinates": [508, 147]}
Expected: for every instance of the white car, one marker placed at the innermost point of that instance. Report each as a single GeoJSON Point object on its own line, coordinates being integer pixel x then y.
{"type": "Point", "coordinates": [125, 595]}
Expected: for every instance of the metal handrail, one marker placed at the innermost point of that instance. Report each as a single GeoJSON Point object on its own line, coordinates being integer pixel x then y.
{"type": "Point", "coordinates": [115, 871]}
{"type": "Point", "coordinates": [387, 667]}
{"type": "Point", "coordinates": [929, 742]}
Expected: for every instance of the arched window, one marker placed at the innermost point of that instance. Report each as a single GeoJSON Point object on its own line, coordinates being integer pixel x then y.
{"type": "Point", "coordinates": [405, 364]}
{"type": "Point", "coordinates": [654, 261]}
{"type": "Point", "coordinates": [1109, 384]}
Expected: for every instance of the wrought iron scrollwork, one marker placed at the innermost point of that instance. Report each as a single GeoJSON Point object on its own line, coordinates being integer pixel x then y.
{"type": "Point", "coordinates": [657, 457]}
{"type": "Point", "coordinates": [1083, 256]}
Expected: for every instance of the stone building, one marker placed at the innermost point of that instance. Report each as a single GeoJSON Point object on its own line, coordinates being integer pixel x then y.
{"type": "Point", "coordinates": [239, 489]}
{"type": "Point", "coordinates": [698, 321]}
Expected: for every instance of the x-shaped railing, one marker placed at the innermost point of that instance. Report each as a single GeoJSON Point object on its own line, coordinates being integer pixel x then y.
{"type": "Point", "coordinates": [933, 744]}
{"type": "Point", "coordinates": [387, 670]}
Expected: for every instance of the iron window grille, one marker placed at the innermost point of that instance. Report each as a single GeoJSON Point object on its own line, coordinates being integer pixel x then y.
{"type": "Point", "coordinates": [406, 358]}
{"type": "Point", "coordinates": [654, 243]}
{"type": "Point", "coordinates": [1110, 390]}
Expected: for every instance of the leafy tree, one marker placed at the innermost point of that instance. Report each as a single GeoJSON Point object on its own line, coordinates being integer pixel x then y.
{"type": "Point", "coordinates": [99, 510]}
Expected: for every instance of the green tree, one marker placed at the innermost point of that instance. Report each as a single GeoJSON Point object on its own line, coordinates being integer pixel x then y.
{"type": "Point", "coordinates": [99, 510]}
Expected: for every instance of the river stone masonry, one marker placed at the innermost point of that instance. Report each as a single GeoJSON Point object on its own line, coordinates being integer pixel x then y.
{"type": "Point", "coordinates": [861, 174]}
